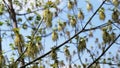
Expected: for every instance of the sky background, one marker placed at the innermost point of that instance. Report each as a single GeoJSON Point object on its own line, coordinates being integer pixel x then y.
{"type": "Point", "coordinates": [49, 43]}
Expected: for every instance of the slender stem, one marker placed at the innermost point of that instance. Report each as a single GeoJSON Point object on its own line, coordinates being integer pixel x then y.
{"type": "Point", "coordinates": [0, 43]}
{"type": "Point", "coordinates": [68, 39]}
{"type": "Point", "coordinates": [15, 25]}
{"type": "Point", "coordinates": [104, 52]}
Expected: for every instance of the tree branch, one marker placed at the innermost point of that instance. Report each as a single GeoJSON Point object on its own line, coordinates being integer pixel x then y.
{"type": "Point", "coordinates": [104, 52]}
{"type": "Point", "coordinates": [68, 39]}
{"type": "Point", "coordinates": [12, 14]}
{"type": "Point", "coordinates": [118, 64]}
{"type": "Point", "coordinates": [33, 36]}
{"type": "Point", "coordinates": [0, 43]}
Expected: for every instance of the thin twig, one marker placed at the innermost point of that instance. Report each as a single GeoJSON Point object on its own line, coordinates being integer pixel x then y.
{"type": "Point", "coordinates": [68, 39]}
{"type": "Point", "coordinates": [33, 36]}
{"type": "Point", "coordinates": [104, 51]}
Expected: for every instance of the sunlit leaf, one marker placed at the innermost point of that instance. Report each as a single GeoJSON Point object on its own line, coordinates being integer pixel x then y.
{"type": "Point", "coordinates": [2, 60]}
{"type": "Point", "coordinates": [81, 45]}
{"type": "Point", "coordinates": [73, 22]}
{"type": "Point", "coordinates": [12, 46]}
{"type": "Point", "coordinates": [48, 15]}
{"type": "Point", "coordinates": [38, 38]}
{"type": "Point", "coordinates": [70, 5]}
{"type": "Point", "coordinates": [38, 17]}
{"type": "Point", "coordinates": [54, 36]}
{"type": "Point", "coordinates": [67, 52]}
{"type": "Point", "coordinates": [53, 54]}
{"type": "Point", "coordinates": [19, 19]}
{"type": "Point", "coordinates": [115, 15]}
{"type": "Point", "coordinates": [1, 8]}
{"type": "Point", "coordinates": [16, 30]}
{"type": "Point", "coordinates": [116, 2]}
{"type": "Point", "coordinates": [29, 37]}
{"type": "Point", "coordinates": [106, 37]}
{"type": "Point", "coordinates": [102, 14]}
{"type": "Point", "coordinates": [28, 10]}
{"type": "Point", "coordinates": [80, 15]}
{"type": "Point", "coordinates": [32, 50]}
{"type": "Point", "coordinates": [24, 26]}
{"type": "Point", "coordinates": [1, 23]}
{"type": "Point", "coordinates": [89, 6]}
{"type": "Point", "coordinates": [30, 18]}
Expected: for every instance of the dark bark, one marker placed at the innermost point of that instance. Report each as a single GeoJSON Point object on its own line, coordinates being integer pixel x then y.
{"type": "Point", "coordinates": [13, 17]}
{"type": "Point", "coordinates": [0, 43]}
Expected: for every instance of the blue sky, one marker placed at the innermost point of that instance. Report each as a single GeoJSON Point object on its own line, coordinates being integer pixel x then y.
{"type": "Point", "coordinates": [49, 43]}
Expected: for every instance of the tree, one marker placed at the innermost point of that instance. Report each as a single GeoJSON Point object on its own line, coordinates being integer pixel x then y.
{"type": "Point", "coordinates": [57, 33]}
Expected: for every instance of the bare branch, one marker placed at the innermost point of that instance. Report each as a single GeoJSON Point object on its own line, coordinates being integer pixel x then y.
{"type": "Point", "coordinates": [104, 52]}
{"type": "Point", "coordinates": [33, 36]}
{"type": "Point", "coordinates": [68, 39]}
